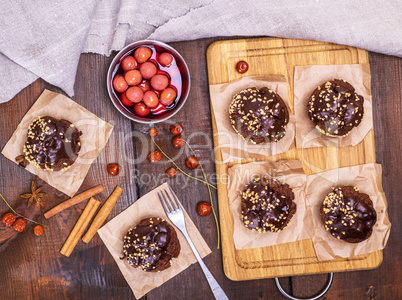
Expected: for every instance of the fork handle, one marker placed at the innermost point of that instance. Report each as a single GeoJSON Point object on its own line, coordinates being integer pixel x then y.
{"type": "Point", "coordinates": [219, 294]}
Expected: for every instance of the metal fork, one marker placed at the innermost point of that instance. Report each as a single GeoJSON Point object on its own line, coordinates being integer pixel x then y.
{"type": "Point", "coordinates": [176, 216]}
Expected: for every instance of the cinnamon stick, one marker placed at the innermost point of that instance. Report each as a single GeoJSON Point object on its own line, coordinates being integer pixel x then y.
{"type": "Point", "coordinates": [79, 227]}
{"type": "Point", "coordinates": [74, 200]}
{"type": "Point", "coordinates": [102, 214]}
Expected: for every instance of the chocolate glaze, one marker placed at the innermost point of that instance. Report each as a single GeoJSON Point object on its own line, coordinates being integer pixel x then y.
{"type": "Point", "coordinates": [348, 214]}
{"type": "Point", "coordinates": [52, 144]}
{"type": "Point", "coordinates": [259, 114]}
{"type": "Point", "coordinates": [151, 245]}
{"type": "Point", "coordinates": [266, 205]}
{"type": "Point", "coordinates": [335, 108]}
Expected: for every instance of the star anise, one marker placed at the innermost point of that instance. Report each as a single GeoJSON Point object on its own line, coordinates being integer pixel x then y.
{"type": "Point", "coordinates": [36, 194]}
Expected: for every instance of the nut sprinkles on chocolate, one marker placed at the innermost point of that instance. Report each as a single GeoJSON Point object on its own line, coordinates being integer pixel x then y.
{"type": "Point", "coordinates": [259, 114]}
{"type": "Point", "coordinates": [348, 214]}
{"type": "Point", "coordinates": [52, 144]}
{"type": "Point", "coordinates": [335, 108]}
{"type": "Point", "coordinates": [151, 245]}
{"type": "Point", "coordinates": [267, 205]}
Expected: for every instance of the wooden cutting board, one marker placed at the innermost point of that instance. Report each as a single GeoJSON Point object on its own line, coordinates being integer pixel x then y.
{"type": "Point", "coordinates": [267, 56]}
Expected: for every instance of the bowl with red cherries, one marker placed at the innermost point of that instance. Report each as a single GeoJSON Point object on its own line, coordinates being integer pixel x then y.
{"type": "Point", "coordinates": [148, 81]}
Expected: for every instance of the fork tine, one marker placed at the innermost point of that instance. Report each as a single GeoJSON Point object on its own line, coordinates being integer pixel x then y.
{"type": "Point", "coordinates": [167, 202]}
{"type": "Point", "coordinates": [175, 197]}
{"type": "Point", "coordinates": [163, 205]}
{"type": "Point", "coordinates": [170, 199]}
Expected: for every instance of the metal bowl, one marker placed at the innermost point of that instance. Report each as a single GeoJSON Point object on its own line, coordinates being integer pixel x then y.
{"type": "Point", "coordinates": [172, 109]}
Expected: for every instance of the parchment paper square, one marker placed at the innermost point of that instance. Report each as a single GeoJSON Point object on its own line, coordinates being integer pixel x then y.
{"type": "Point", "coordinates": [368, 179]}
{"type": "Point", "coordinates": [95, 134]}
{"type": "Point", "coordinates": [286, 171]}
{"type": "Point", "coordinates": [114, 231]}
{"type": "Point", "coordinates": [232, 146]}
{"type": "Point", "coordinates": [307, 79]}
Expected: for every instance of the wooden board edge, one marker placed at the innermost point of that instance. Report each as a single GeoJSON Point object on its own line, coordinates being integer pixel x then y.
{"type": "Point", "coordinates": [233, 274]}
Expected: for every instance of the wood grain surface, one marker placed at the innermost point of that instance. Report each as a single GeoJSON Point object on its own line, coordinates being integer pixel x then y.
{"type": "Point", "coordinates": [279, 57]}
{"type": "Point", "coordinates": [33, 268]}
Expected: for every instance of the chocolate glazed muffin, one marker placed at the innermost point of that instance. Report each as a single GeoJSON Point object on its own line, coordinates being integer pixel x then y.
{"type": "Point", "coordinates": [151, 245]}
{"type": "Point", "coordinates": [348, 214]}
{"type": "Point", "coordinates": [259, 114]}
{"type": "Point", "coordinates": [267, 205]}
{"type": "Point", "coordinates": [335, 108]}
{"type": "Point", "coordinates": [52, 144]}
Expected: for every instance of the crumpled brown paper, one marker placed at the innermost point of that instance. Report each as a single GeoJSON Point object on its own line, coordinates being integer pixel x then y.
{"type": "Point", "coordinates": [114, 231]}
{"type": "Point", "coordinates": [232, 146]}
{"type": "Point", "coordinates": [286, 171]}
{"type": "Point", "coordinates": [368, 179]}
{"type": "Point", "coordinates": [307, 79]}
{"type": "Point", "coordinates": [95, 134]}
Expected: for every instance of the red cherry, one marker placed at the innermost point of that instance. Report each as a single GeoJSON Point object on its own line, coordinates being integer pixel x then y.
{"type": "Point", "coordinates": [192, 162]}
{"type": "Point", "coordinates": [113, 169]}
{"type": "Point", "coordinates": [159, 82]}
{"type": "Point", "coordinates": [151, 99]}
{"type": "Point", "coordinates": [242, 66]}
{"type": "Point", "coordinates": [128, 63]}
{"type": "Point", "coordinates": [204, 209]}
{"type": "Point", "coordinates": [176, 129]}
{"type": "Point", "coordinates": [148, 70]}
{"type": "Point", "coordinates": [153, 132]}
{"type": "Point", "coordinates": [159, 109]}
{"type": "Point", "coordinates": [171, 172]}
{"type": "Point", "coordinates": [165, 59]}
{"type": "Point", "coordinates": [178, 142]}
{"type": "Point", "coordinates": [135, 94]}
{"type": "Point", "coordinates": [133, 77]}
{"type": "Point", "coordinates": [144, 85]}
{"type": "Point", "coordinates": [155, 156]}
{"type": "Point", "coordinates": [168, 95]}
{"type": "Point", "coordinates": [141, 109]}
{"type": "Point", "coordinates": [125, 100]}
{"type": "Point", "coordinates": [142, 54]}
{"type": "Point", "coordinates": [119, 84]}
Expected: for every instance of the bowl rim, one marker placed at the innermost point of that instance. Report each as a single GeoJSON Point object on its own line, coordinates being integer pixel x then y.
{"type": "Point", "coordinates": [124, 51]}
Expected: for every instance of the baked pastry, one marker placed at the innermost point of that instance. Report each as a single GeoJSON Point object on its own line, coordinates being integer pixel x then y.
{"type": "Point", "coordinates": [335, 108]}
{"type": "Point", "coordinates": [348, 214]}
{"type": "Point", "coordinates": [52, 144]}
{"type": "Point", "coordinates": [267, 205]}
{"type": "Point", "coordinates": [151, 245]}
{"type": "Point", "coordinates": [259, 114]}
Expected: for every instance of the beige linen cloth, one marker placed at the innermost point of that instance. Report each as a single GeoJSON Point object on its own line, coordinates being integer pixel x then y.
{"type": "Point", "coordinates": [113, 232]}
{"type": "Point", "coordinates": [45, 38]}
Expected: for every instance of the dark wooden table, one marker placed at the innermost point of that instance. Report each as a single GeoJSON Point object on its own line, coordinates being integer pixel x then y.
{"type": "Point", "coordinates": [33, 268]}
